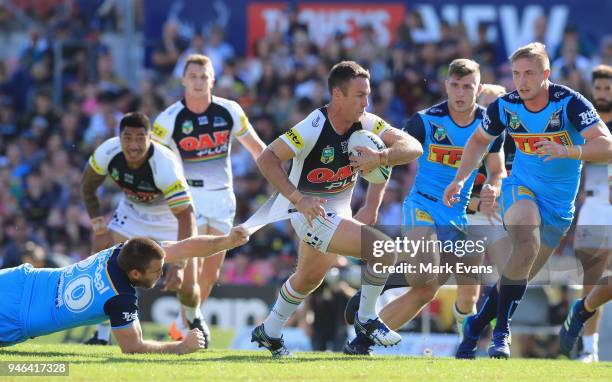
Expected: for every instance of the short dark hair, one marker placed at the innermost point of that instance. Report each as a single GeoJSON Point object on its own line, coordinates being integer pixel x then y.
{"type": "Point", "coordinates": [602, 72]}
{"type": "Point", "coordinates": [137, 253]}
{"type": "Point", "coordinates": [342, 73]}
{"type": "Point", "coordinates": [135, 119]}
{"type": "Point", "coordinates": [462, 67]}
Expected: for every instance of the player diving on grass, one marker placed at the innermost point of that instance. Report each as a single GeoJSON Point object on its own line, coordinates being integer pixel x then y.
{"type": "Point", "coordinates": [319, 187]}
{"type": "Point", "coordinates": [554, 129]}
{"type": "Point", "coordinates": [40, 301]}
{"type": "Point", "coordinates": [443, 130]}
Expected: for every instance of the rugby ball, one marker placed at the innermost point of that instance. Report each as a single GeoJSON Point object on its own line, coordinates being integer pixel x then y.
{"type": "Point", "coordinates": [368, 139]}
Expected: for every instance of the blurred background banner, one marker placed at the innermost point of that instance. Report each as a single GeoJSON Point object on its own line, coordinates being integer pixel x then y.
{"type": "Point", "coordinates": [508, 23]}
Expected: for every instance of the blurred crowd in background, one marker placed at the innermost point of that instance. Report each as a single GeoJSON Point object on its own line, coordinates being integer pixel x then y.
{"type": "Point", "coordinates": [44, 144]}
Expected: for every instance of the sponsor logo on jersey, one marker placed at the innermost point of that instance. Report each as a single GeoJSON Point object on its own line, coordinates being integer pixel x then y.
{"type": "Point", "coordinates": [423, 216]}
{"type": "Point", "coordinates": [588, 117]}
{"type": "Point", "coordinates": [159, 131]}
{"type": "Point", "coordinates": [446, 155]}
{"type": "Point", "coordinates": [327, 155]}
{"type": "Point", "coordinates": [344, 146]}
{"type": "Point", "coordinates": [141, 196]}
{"type": "Point", "coordinates": [522, 190]}
{"type": "Point", "coordinates": [174, 188]}
{"type": "Point", "coordinates": [554, 122]}
{"type": "Point", "coordinates": [219, 121]}
{"type": "Point", "coordinates": [115, 175]}
{"type": "Point", "coordinates": [202, 120]}
{"type": "Point", "coordinates": [338, 180]}
{"type": "Point", "coordinates": [205, 141]}
{"type": "Point", "coordinates": [128, 178]}
{"type": "Point", "coordinates": [187, 127]}
{"type": "Point", "coordinates": [379, 126]}
{"type": "Point", "coordinates": [526, 142]}
{"type": "Point", "coordinates": [145, 186]}
{"type": "Point", "coordinates": [440, 132]}
{"type": "Point", "coordinates": [130, 316]}
{"type": "Point", "coordinates": [95, 165]}
{"type": "Point", "coordinates": [295, 138]}
{"type": "Point", "coordinates": [316, 121]}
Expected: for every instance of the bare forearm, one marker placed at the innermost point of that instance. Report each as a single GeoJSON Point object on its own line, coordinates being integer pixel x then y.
{"type": "Point", "coordinates": [157, 347]}
{"type": "Point", "coordinates": [196, 246]}
{"type": "Point", "coordinates": [375, 195]}
{"type": "Point", "coordinates": [598, 149]}
{"type": "Point", "coordinates": [90, 181]}
{"type": "Point", "coordinates": [472, 156]}
{"type": "Point", "coordinates": [186, 224]}
{"type": "Point", "coordinates": [495, 178]}
{"type": "Point", "coordinates": [403, 149]}
{"type": "Point", "coordinates": [271, 168]}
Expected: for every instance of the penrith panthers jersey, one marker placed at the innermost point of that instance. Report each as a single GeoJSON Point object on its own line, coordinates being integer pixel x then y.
{"type": "Point", "coordinates": [158, 181]}
{"type": "Point", "coordinates": [203, 140]}
{"type": "Point", "coordinates": [321, 163]}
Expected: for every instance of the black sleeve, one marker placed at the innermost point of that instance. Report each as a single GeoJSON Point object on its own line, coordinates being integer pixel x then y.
{"type": "Point", "coordinates": [122, 310]}
{"type": "Point", "coordinates": [415, 127]}
{"type": "Point", "coordinates": [498, 143]}
{"type": "Point", "coordinates": [491, 122]}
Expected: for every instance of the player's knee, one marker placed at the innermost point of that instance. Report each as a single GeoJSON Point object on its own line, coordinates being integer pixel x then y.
{"type": "Point", "coordinates": [426, 293]}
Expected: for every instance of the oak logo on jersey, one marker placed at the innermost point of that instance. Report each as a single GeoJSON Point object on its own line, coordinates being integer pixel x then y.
{"type": "Point", "coordinates": [295, 138]}
{"type": "Point", "coordinates": [446, 155]}
{"type": "Point", "coordinates": [205, 141]}
{"type": "Point", "coordinates": [187, 127]}
{"type": "Point", "coordinates": [526, 142]}
{"type": "Point", "coordinates": [338, 180]}
{"type": "Point", "coordinates": [327, 155]}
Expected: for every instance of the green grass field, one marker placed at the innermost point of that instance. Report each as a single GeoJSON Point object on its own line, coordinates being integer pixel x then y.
{"type": "Point", "coordinates": [106, 363]}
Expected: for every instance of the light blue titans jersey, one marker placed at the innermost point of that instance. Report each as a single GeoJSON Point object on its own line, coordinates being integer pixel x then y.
{"type": "Point", "coordinates": [566, 115]}
{"type": "Point", "coordinates": [88, 292]}
{"type": "Point", "coordinates": [443, 142]}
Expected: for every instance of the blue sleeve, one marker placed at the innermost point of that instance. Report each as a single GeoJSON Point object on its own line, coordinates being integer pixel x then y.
{"type": "Point", "coordinates": [491, 122]}
{"type": "Point", "coordinates": [498, 143]}
{"type": "Point", "coordinates": [581, 112]}
{"type": "Point", "coordinates": [415, 127]}
{"type": "Point", "coordinates": [122, 310]}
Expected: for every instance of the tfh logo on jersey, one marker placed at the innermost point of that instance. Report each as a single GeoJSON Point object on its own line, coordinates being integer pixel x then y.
{"type": "Point", "coordinates": [526, 142]}
{"type": "Point", "coordinates": [338, 180]}
{"type": "Point", "coordinates": [446, 155]}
